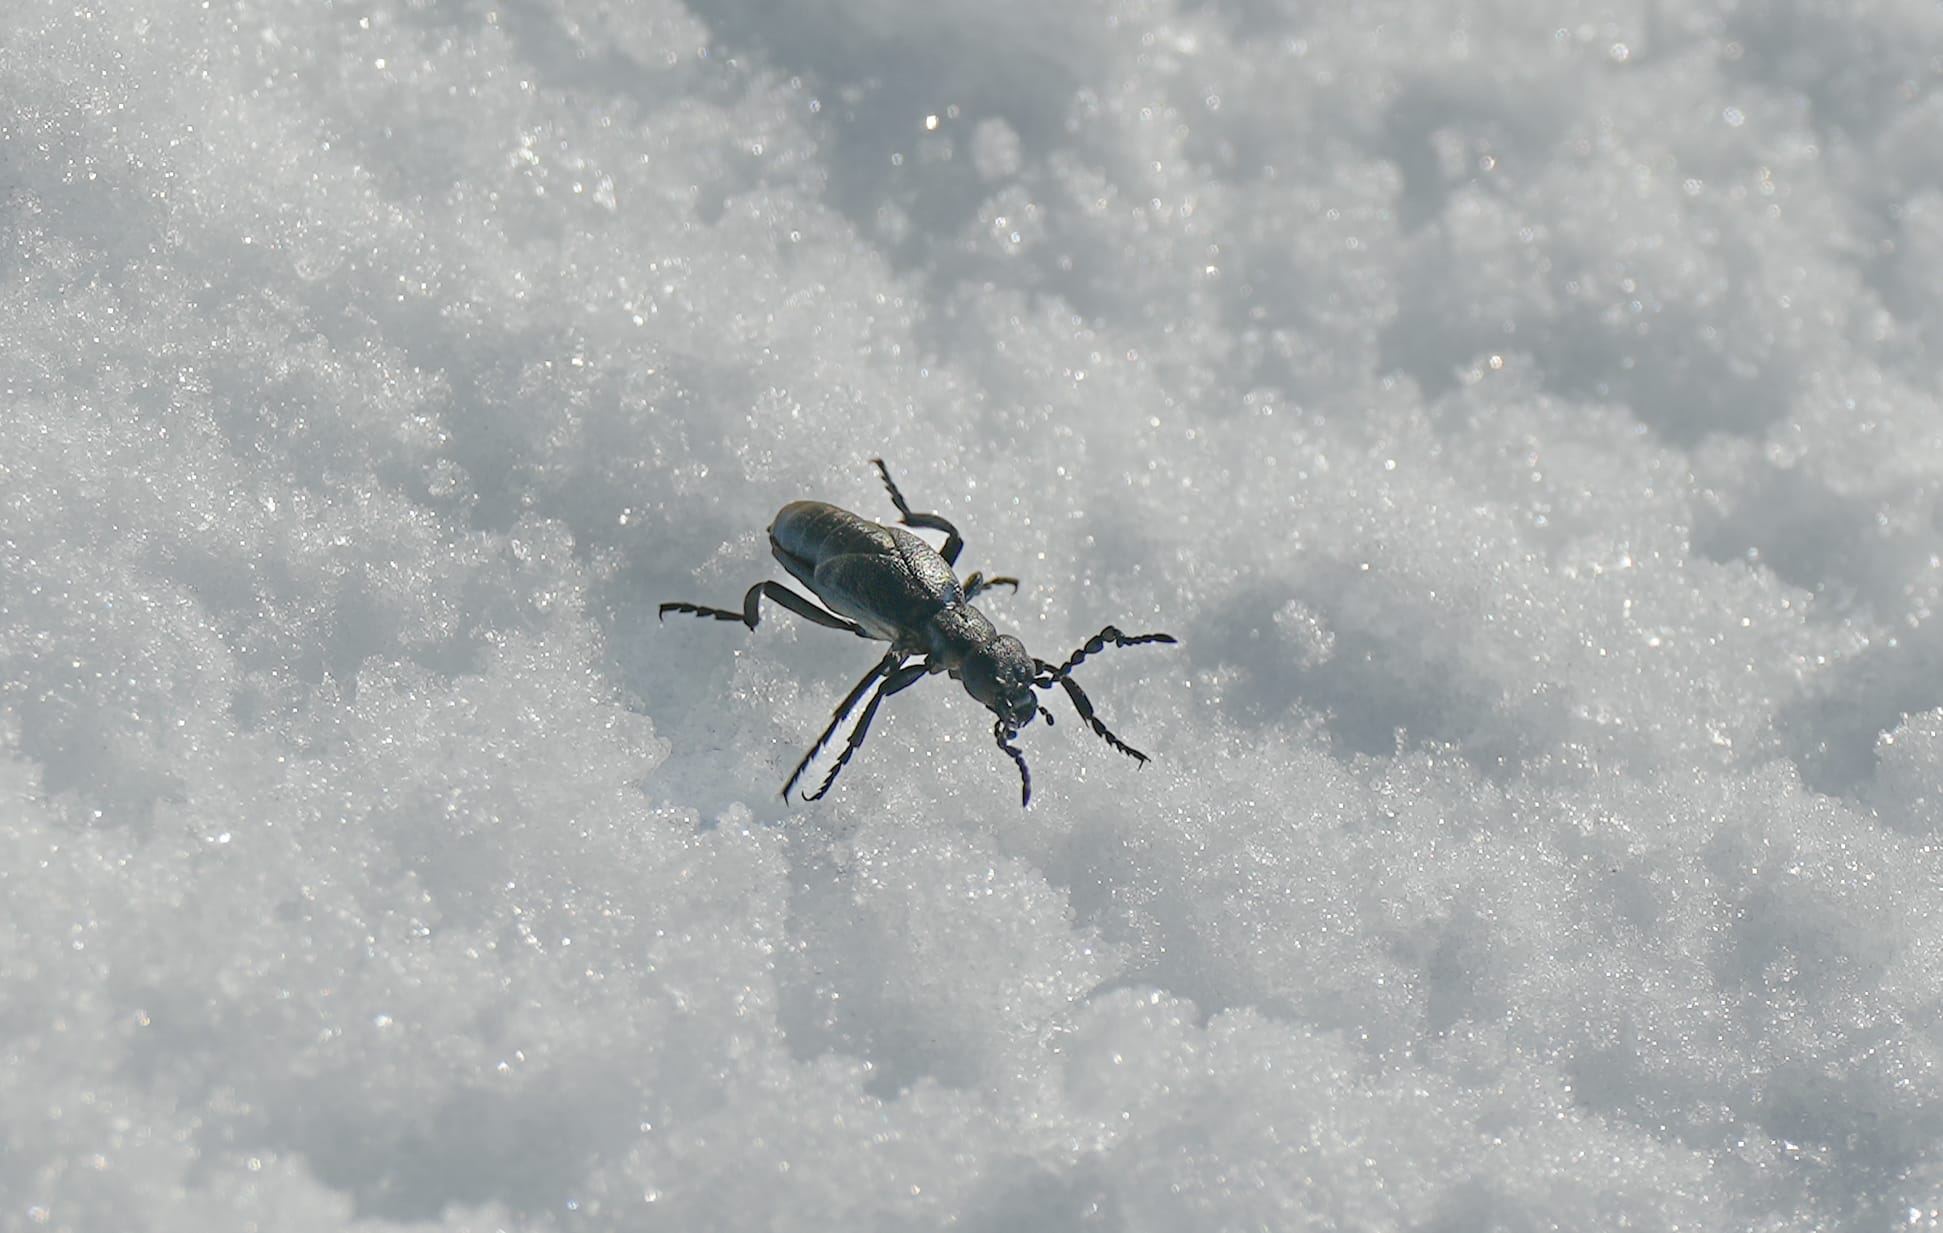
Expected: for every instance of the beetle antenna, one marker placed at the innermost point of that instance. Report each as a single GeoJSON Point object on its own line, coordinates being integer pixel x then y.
{"type": "Point", "coordinates": [1025, 777]}
{"type": "Point", "coordinates": [1099, 641]}
{"type": "Point", "coordinates": [1084, 706]}
{"type": "Point", "coordinates": [1063, 676]}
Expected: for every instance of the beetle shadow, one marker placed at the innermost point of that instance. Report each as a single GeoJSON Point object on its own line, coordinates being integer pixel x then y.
{"type": "Point", "coordinates": [1380, 668]}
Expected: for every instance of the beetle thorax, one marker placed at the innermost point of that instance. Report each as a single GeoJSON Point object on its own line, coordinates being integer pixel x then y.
{"type": "Point", "coordinates": [993, 667]}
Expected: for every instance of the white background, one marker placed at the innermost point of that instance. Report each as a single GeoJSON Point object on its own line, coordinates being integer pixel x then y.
{"type": "Point", "coordinates": [1525, 415]}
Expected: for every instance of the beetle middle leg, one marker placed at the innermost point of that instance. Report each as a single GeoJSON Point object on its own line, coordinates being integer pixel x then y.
{"type": "Point", "coordinates": [954, 542]}
{"type": "Point", "coordinates": [979, 582]}
{"type": "Point", "coordinates": [749, 615]}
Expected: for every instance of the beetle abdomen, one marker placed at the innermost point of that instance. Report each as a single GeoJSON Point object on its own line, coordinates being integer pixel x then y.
{"type": "Point", "coordinates": [884, 578]}
{"type": "Point", "coordinates": [806, 533]}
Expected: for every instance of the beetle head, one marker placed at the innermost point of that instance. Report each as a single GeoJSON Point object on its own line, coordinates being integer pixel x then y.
{"type": "Point", "coordinates": [1000, 675]}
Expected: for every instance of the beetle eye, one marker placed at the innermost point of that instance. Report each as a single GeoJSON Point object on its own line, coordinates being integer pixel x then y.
{"type": "Point", "coordinates": [1020, 710]}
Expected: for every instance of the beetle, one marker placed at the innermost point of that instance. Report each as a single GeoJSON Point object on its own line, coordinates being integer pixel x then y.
{"type": "Point", "coordinates": [883, 583]}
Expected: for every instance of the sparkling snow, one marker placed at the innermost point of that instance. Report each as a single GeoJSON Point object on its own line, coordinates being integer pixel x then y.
{"type": "Point", "coordinates": [1527, 417]}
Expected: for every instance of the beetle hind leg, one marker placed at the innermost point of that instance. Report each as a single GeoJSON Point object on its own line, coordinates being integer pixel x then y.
{"type": "Point", "coordinates": [751, 614]}
{"type": "Point", "coordinates": [720, 614]}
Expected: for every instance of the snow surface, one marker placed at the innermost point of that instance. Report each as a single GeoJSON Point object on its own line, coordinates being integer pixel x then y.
{"type": "Point", "coordinates": [1525, 415]}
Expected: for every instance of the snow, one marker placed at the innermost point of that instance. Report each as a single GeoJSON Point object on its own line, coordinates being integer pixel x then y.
{"type": "Point", "coordinates": [1528, 423]}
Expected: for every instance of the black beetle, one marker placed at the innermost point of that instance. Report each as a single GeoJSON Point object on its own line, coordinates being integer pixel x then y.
{"type": "Point", "coordinates": [893, 587]}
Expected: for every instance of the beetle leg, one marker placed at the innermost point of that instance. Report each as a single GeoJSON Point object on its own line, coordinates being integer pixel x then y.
{"type": "Point", "coordinates": [1018, 755]}
{"type": "Point", "coordinates": [979, 582]}
{"type": "Point", "coordinates": [884, 666]}
{"type": "Point", "coordinates": [954, 542]}
{"type": "Point", "coordinates": [900, 678]}
{"type": "Point", "coordinates": [777, 592]}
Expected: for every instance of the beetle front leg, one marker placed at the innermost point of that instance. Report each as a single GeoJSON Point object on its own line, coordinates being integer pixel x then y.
{"type": "Point", "coordinates": [1017, 755]}
{"type": "Point", "coordinates": [750, 615]}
